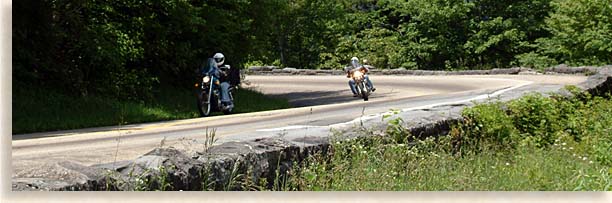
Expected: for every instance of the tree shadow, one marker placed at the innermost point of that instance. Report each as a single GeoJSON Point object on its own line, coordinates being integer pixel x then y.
{"type": "Point", "coordinates": [302, 99]}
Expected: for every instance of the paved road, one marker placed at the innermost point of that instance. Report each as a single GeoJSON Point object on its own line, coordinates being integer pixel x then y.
{"type": "Point", "coordinates": [321, 100]}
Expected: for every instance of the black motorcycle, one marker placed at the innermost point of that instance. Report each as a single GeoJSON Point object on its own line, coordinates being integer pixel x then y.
{"type": "Point", "coordinates": [209, 96]}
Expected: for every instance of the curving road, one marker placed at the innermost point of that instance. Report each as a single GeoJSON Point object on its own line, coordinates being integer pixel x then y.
{"type": "Point", "coordinates": [322, 101]}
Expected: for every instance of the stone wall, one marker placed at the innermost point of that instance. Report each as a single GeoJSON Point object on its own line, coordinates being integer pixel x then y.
{"type": "Point", "coordinates": [560, 69]}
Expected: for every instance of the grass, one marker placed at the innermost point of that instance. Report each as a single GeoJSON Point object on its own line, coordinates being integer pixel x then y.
{"type": "Point", "coordinates": [392, 167]}
{"type": "Point", "coordinates": [534, 143]}
{"type": "Point", "coordinates": [38, 110]}
{"type": "Point", "coordinates": [530, 144]}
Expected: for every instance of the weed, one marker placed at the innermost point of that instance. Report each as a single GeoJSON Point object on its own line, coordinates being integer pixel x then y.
{"type": "Point", "coordinates": [162, 178]}
{"type": "Point", "coordinates": [210, 139]}
{"type": "Point", "coordinates": [207, 184]}
{"type": "Point", "coordinates": [234, 177]}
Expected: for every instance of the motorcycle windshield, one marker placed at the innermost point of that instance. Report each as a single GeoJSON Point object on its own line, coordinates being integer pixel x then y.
{"type": "Point", "coordinates": [210, 67]}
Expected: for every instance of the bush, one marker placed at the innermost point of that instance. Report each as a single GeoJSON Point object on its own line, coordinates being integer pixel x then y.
{"type": "Point", "coordinates": [131, 85]}
{"type": "Point", "coordinates": [594, 124]}
{"type": "Point", "coordinates": [534, 61]}
{"type": "Point", "coordinates": [377, 164]}
{"type": "Point", "coordinates": [484, 123]}
{"type": "Point", "coordinates": [528, 146]}
{"type": "Point", "coordinates": [582, 122]}
{"type": "Point", "coordinates": [537, 116]}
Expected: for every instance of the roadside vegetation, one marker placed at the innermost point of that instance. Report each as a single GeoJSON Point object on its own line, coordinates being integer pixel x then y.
{"type": "Point", "coordinates": [532, 143]}
{"type": "Point", "coordinates": [535, 143]}
{"type": "Point", "coordinates": [37, 110]}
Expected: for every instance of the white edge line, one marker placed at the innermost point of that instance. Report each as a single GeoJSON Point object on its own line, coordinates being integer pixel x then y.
{"type": "Point", "coordinates": [291, 127]}
{"type": "Point", "coordinates": [369, 117]}
{"type": "Point", "coordinates": [479, 97]}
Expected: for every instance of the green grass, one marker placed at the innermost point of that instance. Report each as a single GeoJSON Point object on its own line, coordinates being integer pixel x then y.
{"type": "Point", "coordinates": [37, 110]}
{"type": "Point", "coordinates": [533, 143]}
{"type": "Point", "coordinates": [390, 167]}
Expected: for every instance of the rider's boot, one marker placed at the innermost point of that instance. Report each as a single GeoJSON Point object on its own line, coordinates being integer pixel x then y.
{"type": "Point", "coordinates": [228, 105]}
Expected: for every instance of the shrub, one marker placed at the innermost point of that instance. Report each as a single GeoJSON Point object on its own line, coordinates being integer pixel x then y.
{"type": "Point", "coordinates": [484, 123]}
{"type": "Point", "coordinates": [536, 115]}
{"type": "Point", "coordinates": [534, 60]}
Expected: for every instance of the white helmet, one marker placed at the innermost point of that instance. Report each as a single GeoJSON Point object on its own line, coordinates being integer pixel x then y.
{"type": "Point", "coordinates": [219, 59]}
{"type": "Point", "coordinates": [355, 61]}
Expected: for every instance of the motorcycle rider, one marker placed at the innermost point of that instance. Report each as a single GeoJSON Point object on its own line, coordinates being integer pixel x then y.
{"type": "Point", "coordinates": [222, 72]}
{"type": "Point", "coordinates": [355, 65]}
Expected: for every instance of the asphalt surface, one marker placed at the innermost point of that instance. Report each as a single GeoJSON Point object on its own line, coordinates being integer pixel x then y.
{"type": "Point", "coordinates": [321, 101]}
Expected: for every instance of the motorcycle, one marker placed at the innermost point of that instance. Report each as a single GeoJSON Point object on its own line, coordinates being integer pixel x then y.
{"type": "Point", "coordinates": [363, 90]}
{"type": "Point", "coordinates": [209, 96]}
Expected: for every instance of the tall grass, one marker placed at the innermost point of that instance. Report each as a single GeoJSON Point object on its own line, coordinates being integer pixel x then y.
{"type": "Point", "coordinates": [533, 143]}
{"type": "Point", "coordinates": [427, 166]}
{"type": "Point", "coordinates": [37, 110]}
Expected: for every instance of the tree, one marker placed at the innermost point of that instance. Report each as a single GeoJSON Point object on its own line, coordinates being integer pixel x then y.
{"type": "Point", "coordinates": [580, 33]}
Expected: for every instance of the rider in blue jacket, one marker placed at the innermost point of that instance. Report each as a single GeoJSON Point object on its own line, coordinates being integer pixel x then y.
{"type": "Point", "coordinates": [221, 72]}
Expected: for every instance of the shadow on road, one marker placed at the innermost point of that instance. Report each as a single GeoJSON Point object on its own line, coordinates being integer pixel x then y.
{"type": "Point", "coordinates": [302, 99]}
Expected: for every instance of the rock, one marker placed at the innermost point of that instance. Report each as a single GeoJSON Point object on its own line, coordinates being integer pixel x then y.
{"type": "Point", "coordinates": [114, 166]}
{"type": "Point", "coordinates": [428, 72]}
{"type": "Point", "coordinates": [262, 68]}
{"type": "Point", "coordinates": [290, 69]}
{"type": "Point", "coordinates": [599, 83]}
{"type": "Point", "coordinates": [39, 184]}
{"type": "Point", "coordinates": [506, 71]}
{"type": "Point", "coordinates": [64, 175]}
{"type": "Point", "coordinates": [529, 72]}
{"type": "Point", "coordinates": [564, 69]}
{"type": "Point", "coordinates": [255, 68]}
{"type": "Point", "coordinates": [325, 72]}
{"type": "Point", "coordinates": [561, 68]}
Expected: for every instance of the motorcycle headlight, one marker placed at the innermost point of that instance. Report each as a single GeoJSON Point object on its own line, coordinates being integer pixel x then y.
{"type": "Point", "coordinates": [357, 74]}
{"type": "Point", "coordinates": [206, 79]}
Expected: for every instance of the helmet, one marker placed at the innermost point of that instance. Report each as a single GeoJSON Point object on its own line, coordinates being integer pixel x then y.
{"type": "Point", "coordinates": [355, 61]}
{"type": "Point", "coordinates": [219, 59]}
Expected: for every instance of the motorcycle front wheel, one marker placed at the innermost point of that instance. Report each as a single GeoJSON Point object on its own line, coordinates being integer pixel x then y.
{"type": "Point", "coordinates": [203, 104]}
{"type": "Point", "coordinates": [364, 92]}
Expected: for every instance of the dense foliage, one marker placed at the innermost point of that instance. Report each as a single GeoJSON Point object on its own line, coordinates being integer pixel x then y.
{"type": "Point", "coordinates": [127, 48]}
{"type": "Point", "coordinates": [533, 143]}
{"type": "Point", "coordinates": [56, 111]}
